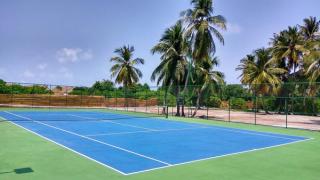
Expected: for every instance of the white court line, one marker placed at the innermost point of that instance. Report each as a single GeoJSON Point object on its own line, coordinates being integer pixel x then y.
{"type": "Point", "coordinates": [214, 157]}
{"type": "Point", "coordinates": [209, 126]}
{"type": "Point", "coordinates": [188, 162]}
{"type": "Point", "coordinates": [253, 133]}
{"type": "Point", "coordinates": [66, 147]}
{"type": "Point", "coordinates": [213, 127]}
{"type": "Point", "coordinates": [107, 144]}
{"type": "Point", "coordinates": [109, 121]}
{"type": "Point", "coordinates": [150, 131]}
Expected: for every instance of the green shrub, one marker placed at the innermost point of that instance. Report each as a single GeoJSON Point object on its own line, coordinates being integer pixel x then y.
{"type": "Point", "coordinates": [214, 101]}
{"type": "Point", "coordinates": [267, 103]}
{"type": "Point", "coordinates": [306, 106]}
{"type": "Point", "coordinates": [238, 103]}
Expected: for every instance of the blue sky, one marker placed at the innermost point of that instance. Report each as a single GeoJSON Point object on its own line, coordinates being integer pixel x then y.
{"type": "Point", "coordinates": [71, 41]}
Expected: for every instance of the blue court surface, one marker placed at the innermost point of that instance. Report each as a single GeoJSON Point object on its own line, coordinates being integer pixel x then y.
{"type": "Point", "coordinates": [130, 145]}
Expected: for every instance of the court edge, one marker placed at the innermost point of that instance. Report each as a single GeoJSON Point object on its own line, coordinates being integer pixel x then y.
{"type": "Point", "coordinates": [163, 167]}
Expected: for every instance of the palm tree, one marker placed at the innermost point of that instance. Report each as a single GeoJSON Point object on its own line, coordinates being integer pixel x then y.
{"type": "Point", "coordinates": [310, 28]}
{"type": "Point", "coordinates": [208, 77]}
{"type": "Point", "coordinates": [314, 71]}
{"type": "Point", "coordinates": [260, 72]}
{"type": "Point", "coordinates": [288, 46]}
{"type": "Point", "coordinates": [312, 62]}
{"type": "Point", "coordinates": [202, 28]}
{"type": "Point", "coordinates": [124, 68]}
{"type": "Point", "coordinates": [309, 31]}
{"type": "Point", "coordinates": [172, 69]}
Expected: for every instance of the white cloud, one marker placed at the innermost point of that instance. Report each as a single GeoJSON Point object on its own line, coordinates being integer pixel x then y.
{"type": "Point", "coordinates": [28, 74]}
{"type": "Point", "coordinates": [233, 28]}
{"type": "Point", "coordinates": [42, 66]}
{"type": "Point", "coordinates": [65, 55]}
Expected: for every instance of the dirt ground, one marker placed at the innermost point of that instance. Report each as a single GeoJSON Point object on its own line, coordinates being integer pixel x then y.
{"type": "Point", "coordinates": [273, 119]}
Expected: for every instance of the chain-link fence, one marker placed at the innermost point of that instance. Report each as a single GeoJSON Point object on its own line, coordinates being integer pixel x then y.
{"type": "Point", "coordinates": [294, 105]}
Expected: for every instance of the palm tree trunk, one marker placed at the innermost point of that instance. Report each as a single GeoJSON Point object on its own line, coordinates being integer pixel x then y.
{"type": "Point", "coordinates": [182, 108]}
{"type": "Point", "coordinates": [165, 102]}
{"type": "Point", "coordinates": [185, 89]}
{"type": "Point", "coordinates": [197, 103]}
{"type": "Point", "coordinates": [177, 101]}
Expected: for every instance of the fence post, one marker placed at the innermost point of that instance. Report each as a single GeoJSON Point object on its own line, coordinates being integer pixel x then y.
{"type": "Point", "coordinates": [125, 99]}
{"type": "Point", "coordinates": [314, 113]}
{"type": "Point", "coordinates": [286, 106]}
{"type": "Point", "coordinates": [12, 94]}
{"type": "Point", "coordinates": [101, 100]}
{"type": "Point", "coordinates": [229, 107]}
{"type": "Point", "coordinates": [50, 93]}
{"type": "Point", "coordinates": [107, 99]}
{"type": "Point", "coordinates": [116, 100]}
{"type": "Point", "coordinates": [66, 94]}
{"type": "Point", "coordinates": [146, 101]}
{"type": "Point", "coordinates": [158, 96]}
{"type": "Point", "coordinates": [81, 94]}
{"type": "Point", "coordinates": [135, 101]}
{"type": "Point", "coordinates": [207, 107]}
{"type": "Point", "coordinates": [255, 110]}
{"type": "Point", "coordinates": [167, 111]}
{"type": "Point", "coordinates": [171, 110]}
{"type": "Point", "coordinates": [32, 96]}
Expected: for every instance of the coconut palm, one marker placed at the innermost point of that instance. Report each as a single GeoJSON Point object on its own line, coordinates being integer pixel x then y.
{"type": "Point", "coordinates": [208, 77]}
{"type": "Point", "coordinates": [260, 73]}
{"type": "Point", "coordinates": [172, 69]}
{"type": "Point", "coordinates": [309, 28]}
{"type": "Point", "coordinates": [124, 70]}
{"type": "Point", "coordinates": [309, 31]}
{"type": "Point", "coordinates": [202, 28]}
{"type": "Point", "coordinates": [314, 71]}
{"type": "Point", "coordinates": [288, 46]}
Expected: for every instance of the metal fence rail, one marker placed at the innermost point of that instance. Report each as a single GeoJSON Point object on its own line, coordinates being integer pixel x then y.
{"type": "Point", "coordinates": [294, 105]}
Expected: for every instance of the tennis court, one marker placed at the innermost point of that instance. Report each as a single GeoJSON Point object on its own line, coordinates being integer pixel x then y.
{"type": "Point", "coordinates": [131, 144]}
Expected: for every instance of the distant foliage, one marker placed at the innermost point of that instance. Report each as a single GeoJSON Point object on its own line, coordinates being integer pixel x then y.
{"type": "Point", "coordinates": [238, 103]}
{"type": "Point", "coordinates": [214, 102]}
{"type": "Point", "coordinates": [109, 90]}
{"type": "Point", "coordinates": [20, 89]}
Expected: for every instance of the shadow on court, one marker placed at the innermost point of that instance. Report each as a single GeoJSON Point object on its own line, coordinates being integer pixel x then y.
{"type": "Point", "coordinates": [19, 171]}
